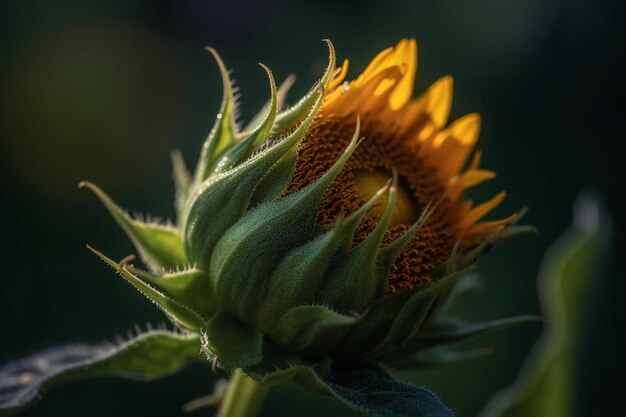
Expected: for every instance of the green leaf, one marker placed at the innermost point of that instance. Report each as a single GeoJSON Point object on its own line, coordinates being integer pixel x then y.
{"type": "Point", "coordinates": [178, 313]}
{"type": "Point", "coordinates": [545, 384]}
{"type": "Point", "coordinates": [149, 356]}
{"type": "Point", "coordinates": [160, 246]}
{"type": "Point", "coordinates": [371, 389]}
{"type": "Point", "coordinates": [365, 386]}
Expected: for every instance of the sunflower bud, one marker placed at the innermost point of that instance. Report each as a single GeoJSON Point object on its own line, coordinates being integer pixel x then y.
{"type": "Point", "coordinates": [333, 229]}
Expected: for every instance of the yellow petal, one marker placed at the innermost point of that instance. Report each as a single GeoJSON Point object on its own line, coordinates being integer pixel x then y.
{"type": "Point", "coordinates": [406, 53]}
{"type": "Point", "coordinates": [339, 76]}
{"type": "Point", "coordinates": [481, 210]}
{"type": "Point", "coordinates": [454, 145]}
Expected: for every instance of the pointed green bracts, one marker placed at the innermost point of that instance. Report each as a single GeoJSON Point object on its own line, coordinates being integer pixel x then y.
{"type": "Point", "coordinates": [247, 267]}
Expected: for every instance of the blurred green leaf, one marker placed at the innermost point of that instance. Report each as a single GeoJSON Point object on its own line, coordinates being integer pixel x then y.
{"type": "Point", "coordinates": [151, 355]}
{"type": "Point", "coordinates": [545, 386]}
{"type": "Point", "coordinates": [371, 389]}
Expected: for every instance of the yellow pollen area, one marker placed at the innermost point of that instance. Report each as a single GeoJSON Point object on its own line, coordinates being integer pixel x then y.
{"type": "Point", "coordinates": [368, 183]}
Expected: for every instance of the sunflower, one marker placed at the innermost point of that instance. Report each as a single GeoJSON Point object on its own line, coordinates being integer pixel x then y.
{"type": "Point", "coordinates": [315, 245]}
{"type": "Point", "coordinates": [409, 137]}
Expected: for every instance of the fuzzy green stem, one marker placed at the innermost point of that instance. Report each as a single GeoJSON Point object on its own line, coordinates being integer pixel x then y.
{"type": "Point", "coordinates": [244, 396]}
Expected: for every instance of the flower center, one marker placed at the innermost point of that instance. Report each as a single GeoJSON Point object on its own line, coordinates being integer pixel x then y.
{"type": "Point", "coordinates": [368, 169]}
{"type": "Point", "coordinates": [368, 182]}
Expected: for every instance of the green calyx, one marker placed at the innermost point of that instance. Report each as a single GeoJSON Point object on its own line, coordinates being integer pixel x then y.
{"type": "Point", "coordinates": [249, 270]}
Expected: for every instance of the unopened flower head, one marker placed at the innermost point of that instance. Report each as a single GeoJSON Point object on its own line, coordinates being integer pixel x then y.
{"type": "Point", "coordinates": [330, 230]}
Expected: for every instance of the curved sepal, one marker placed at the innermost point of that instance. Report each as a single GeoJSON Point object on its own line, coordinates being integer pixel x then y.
{"type": "Point", "coordinates": [298, 277]}
{"type": "Point", "coordinates": [281, 95]}
{"type": "Point", "coordinates": [236, 153]}
{"type": "Point", "coordinates": [439, 357]}
{"type": "Point", "coordinates": [353, 220]}
{"type": "Point", "coordinates": [309, 326]}
{"type": "Point", "coordinates": [190, 287]}
{"type": "Point", "coordinates": [250, 249]}
{"type": "Point", "coordinates": [224, 131]}
{"type": "Point", "coordinates": [275, 182]}
{"type": "Point", "coordinates": [388, 254]}
{"type": "Point", "coordinates": [353, 280]}
{"type": "Point", "coordinates": [368, 333]}
{"type": "Point", "coordinates": [449, 332]}
{"type": "Point", "coordinates": [416, 310]}
{"type": "Point", "coordinates": [293, 115]}
{"type": "Point", "coordinates": [182, 183]}
{"type": "Point", "coordinates": [220, 201]}
{"type": "Point", "coordinates": [151, 355]}
{"type": "Point", "coordinates": [182, 315]}
{"type": "Point", "coordinates": [231, 343]}
{"type": "Point", "coordinates": [160, 246]}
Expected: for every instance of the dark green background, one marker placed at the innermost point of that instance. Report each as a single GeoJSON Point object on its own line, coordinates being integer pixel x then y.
{"type": "Point", "coordinates": [101, 90]}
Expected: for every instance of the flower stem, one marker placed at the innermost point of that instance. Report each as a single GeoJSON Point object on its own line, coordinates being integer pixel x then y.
{"type": "Point", "coordinates": [244, 396]}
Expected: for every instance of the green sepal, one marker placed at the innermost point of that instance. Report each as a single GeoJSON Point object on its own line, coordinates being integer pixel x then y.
{"type": "Point", "coordinates": [287, 119]}
{"type": "Point", "coordinates": [275, 182]}
{"type": "Point", "coordinates": [190, 287]}
{"type": "Point", "coordinates": [439, 357]}
{"type": "Point", "coordinates": [416, 311]}
{"type": "Point", "coordinates": [221, 200]}
{"type": "Point", "coordinates": [151, 355]}
{"type": "Point", "coordinates": [232, 343]}
{"type": "Point", "coordinates": [353, 280]}
{"type": "Point", "coordinates": [182, 315]}
{"type": "Point", "coordinates": [369, 333]}
{"type": "Point", "coordinates": [352, 221]}
{"type": "Point", "coordinates": [309, 326]}
{"type": "Point", "coordinates": [281, 95]}
{"type": "Point", "coordinates": [160, 246]}
{"type": "Point", "coordinates": [388, 254]}
{"type": "Point", "coordinates": [182, 183]}
{"type": "Point", "coordinates": [298, 277]}
{"type": "Point", "coordinates": [449, 332]}
{"type": "Point", "coordinates": [234, 154]}
{"type": "Point", "coordinates": [250, 249]}
{"type": "Point", "coordinates": [224, 131]}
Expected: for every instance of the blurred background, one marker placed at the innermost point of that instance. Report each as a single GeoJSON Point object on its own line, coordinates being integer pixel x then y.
{"type": "Point", "coordinates": [102, 90]}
